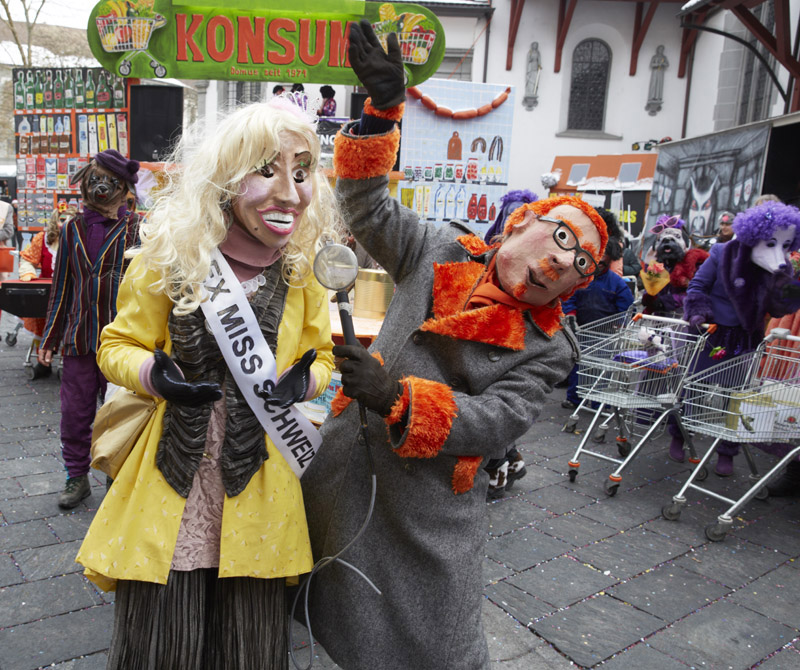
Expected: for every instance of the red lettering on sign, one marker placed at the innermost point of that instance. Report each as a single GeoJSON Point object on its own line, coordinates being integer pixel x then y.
{"type": "Point", "coordinates": [251, 40]}
{"type": "Point", "coordinates": [319, 42]}
{"type": "Point", "coordinates": [339, 43]}
{"type": "Point", "coordinates": [287, 55]}
{"type": "Point", "coordinates": [186, 37]}
{"type": "Point", "coordinates": [226, 52]}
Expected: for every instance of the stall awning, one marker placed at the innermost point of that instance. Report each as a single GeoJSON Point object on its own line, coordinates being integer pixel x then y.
{"type": "Point", "coordinates": [612, 172]}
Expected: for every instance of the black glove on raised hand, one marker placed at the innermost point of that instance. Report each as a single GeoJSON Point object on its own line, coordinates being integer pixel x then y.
{"type": "Point", "coordinates": [366, 380]}
{"type": "Point", "coordinates": [167, 379]}
{"type": "Point", "coordinates": [293, 386]}
{"type": "Point", "coordinates": [381, 73]}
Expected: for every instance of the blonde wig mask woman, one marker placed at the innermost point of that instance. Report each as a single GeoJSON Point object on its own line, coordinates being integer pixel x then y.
{"type": "Point", "coordinates": [204, 478]}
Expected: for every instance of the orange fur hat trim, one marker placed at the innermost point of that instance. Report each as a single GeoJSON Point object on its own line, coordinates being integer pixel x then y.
{"type": "Point", "coordinates": [464, 473]}
{"type": "Point", "coordinates": [473, 244]}
{"type": "Point", "coordinates": [497, 324]}
{"type": "Point", "coordinates": [430, 419]}
{"type": "Point", "coordinates": [542, 207]}
{"type": "Point", "coordinates": [392, 114]}
{"type": "Point", "coordinates": [364, 157]}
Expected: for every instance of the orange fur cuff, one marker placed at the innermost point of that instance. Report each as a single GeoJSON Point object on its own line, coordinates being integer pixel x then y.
{"type": "Point", "coordinates": [432, 410]}
{"type": "Point", "coordinates": [364, 157]}
{"type": "Point", "coordinates": [464, 473]}
{"type": "Point", "coordinates": [392, 114]}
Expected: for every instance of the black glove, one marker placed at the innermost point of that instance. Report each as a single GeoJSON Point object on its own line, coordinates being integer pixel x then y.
{"type": "Point", "coordinates": [293, 386]}
{"type": "Point", "coordinates": [365, 379]}
{"type": "Point", "coordinates": [167, 379]}
{"type": "Point", "coordinates": [381, 73]}
{"type": "Point", "coordinates": [790, 291]}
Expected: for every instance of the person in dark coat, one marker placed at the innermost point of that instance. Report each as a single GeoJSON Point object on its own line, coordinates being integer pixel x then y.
{"type": "Point", "coordinates": [83, 298]}
{"type": "Point", "coordinates": [470, 344]}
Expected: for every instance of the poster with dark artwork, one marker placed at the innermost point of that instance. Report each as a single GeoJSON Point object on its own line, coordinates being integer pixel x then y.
{"type": "Point", "coordinates": [696, 179]}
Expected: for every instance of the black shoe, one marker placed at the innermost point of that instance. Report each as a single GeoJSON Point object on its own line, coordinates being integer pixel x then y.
{"type": "Point", "coordinates": [40, 371]}
{"type": "Point", "coordinates": [562, 384]}
{"type": "Point", "coordinates": [498, 478]}
{"type": "Point", "coordinates": [77, 489]}
{"type": "Point", "coordinates": [568, 404]}
{"type": "Point", "coordinates": [788, 484]}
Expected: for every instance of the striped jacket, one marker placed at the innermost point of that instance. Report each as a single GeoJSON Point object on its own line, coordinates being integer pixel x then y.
{"type": "Point", "coordinates": [83, 296]}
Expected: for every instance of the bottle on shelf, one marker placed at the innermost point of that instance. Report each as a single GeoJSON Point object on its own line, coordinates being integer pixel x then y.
{"type": "Point", "coordinates": [19, 91]}
{"type": "Point", "coordinates": [58, 130]}
{"type": "Point", "coordinates": [24, 125]}
{"type": "Point", "coordinates": [119, 92]}
{"type": "Point", "coordinates": [438, 202]}
{"type": "Point", "coordinates": [65, 146]}
{"type": "Point", "coordinates": [48, 90]}
{"type": "Point", "coordinates": [58, 91]}
{"type": "Point", "coordinates": [450, 203]}
{"type": "Point", "coordinates": [80, 93]}
{"type": "Point", "coordinates": [52, 140]}
{"type": "Point", "coordinates": [69, 90]}
{"type": "Point", "coordinates": [90, 90]}
{"type": "Point", "coordinates": [29, 91]}
{"type": "Point", "coordinates": [38, 91]}
{"type": "Point", "coordinates": [461, 203]}
{"type": "Point", "coordinates": [103, 93]}
{"type": "Point", "coordinates": [35, 123]}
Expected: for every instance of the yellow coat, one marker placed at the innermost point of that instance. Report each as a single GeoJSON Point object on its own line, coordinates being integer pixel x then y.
{"type": "Point", "coordinates": [264, 532]}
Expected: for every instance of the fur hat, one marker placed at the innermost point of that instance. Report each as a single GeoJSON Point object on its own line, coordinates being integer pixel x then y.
{"type": "Point", "coordinates": [760, 223]}
{"type": "Point", "coordinates": [124, 168]}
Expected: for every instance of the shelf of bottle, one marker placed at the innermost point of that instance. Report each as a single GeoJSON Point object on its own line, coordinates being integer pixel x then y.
{"type": "Point", "coordinates": [67, 110]}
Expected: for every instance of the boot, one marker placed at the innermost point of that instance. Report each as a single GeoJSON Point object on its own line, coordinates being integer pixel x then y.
{"type": "Point", "coordinates": [724, 466]}
{"type": "Point", "coordinates": [788, 484]}
{"type": "Point", "coordinates": [516, 468]}
{"type": "Point", "coordinates": [498, 478]}
{"type": "Point", "coordinates": [676, 450]}
{"type": "Point", "coordinates": [77, 489]}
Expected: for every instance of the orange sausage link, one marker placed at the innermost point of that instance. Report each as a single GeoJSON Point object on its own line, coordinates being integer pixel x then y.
{"type": "Point", "coordinates": [465, 114]}
{"type": "Point", "coordinates": [500, 99]}
{"type": "Point", "coordinates": [485, 109]}
{"type": "Point", "coordinates": [444, 111]}
{"type": "Point", "coordinates": [428, 102]}
{"type": "Point", "coordinates": [414, 92]}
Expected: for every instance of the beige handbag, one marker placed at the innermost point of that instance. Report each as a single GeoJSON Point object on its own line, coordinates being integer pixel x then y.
{"type": "Point", "coordinates": [117, 426]}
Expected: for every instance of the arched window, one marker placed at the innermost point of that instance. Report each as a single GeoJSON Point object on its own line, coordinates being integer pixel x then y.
{"type": "Point", "coordinates": [591, 62]}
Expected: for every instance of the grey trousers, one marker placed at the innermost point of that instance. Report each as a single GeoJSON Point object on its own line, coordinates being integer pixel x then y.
{"type": "Point", "coordinates": [198, 621]}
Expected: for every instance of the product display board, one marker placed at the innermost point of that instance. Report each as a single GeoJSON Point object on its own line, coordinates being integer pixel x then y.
{"type": "Point", "coordinates": [298, 41]}
{"type": "Point", "coordinates": [456, 168]}
{"type": "Point", "coordinates": [62, 117]}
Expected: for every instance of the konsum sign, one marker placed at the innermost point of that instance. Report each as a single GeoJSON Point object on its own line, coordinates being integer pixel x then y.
{"type": "Point", "coordinates": [249, 39]}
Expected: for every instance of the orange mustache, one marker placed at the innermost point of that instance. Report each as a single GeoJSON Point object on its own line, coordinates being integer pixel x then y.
{"type": "Point", "coordinates": [519, 291]}
{"type": "Point", "coordinates": [548, 270]}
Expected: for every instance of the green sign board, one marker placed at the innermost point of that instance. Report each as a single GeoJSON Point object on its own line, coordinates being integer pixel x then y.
{"type": "Point", "coordinates": [251, 40]}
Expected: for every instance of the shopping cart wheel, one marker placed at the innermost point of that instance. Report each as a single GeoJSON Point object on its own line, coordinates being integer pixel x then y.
{"type": "Point", "coordinates": [569, 426]}
{"type": "Point", "coordinates": [702, 474]}
{"type": "Point", "coordinates": [716, 532]}
{"type": "Point", "coordinates": [624, 448]}
{"type": "Point", "coordinates": [11, 339]}
{"type": "Point", "coordinates": [611, 488]}
{"type": "Point", "coordinates": [573, 475]}
{"type": "Point", "coordinates": [671, 512]}
{"type": "Point", "coordinates": [762, 494]}
{"type": "Point", "coordinates": [600, 435]}
{"type": "Point", "coordinates": [125, 69]}
{"type": "Point", "coordinates": [160, 71]}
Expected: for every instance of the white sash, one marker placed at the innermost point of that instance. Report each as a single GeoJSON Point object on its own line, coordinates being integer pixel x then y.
{"type": "Point", "coordinates": [234, 325]}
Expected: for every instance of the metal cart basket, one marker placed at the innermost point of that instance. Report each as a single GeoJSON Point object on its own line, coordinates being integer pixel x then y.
{"type": "Point", "coordinates": [750, 399]}
{"type": "Point", "coordinates": [638, 374]}
{"type": "Point", "coordinates": [119, 34]}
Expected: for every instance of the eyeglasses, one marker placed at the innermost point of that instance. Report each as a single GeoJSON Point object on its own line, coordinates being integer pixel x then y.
{"type": "Point", "coordinates": [584, 263]}
{"type": "Point", "coordinates": [671, 222]}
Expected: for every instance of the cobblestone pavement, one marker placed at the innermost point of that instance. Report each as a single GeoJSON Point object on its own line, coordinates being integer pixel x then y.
{"type": "Point", "coordinates": [573, 578]}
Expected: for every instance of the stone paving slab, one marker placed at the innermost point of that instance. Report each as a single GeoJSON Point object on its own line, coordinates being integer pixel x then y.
{"type": "Point", "coordinates": [50, 561]}
{"type": "Point", "coordinates": [559, 499]}
{"type": "Point", "coordinates": [35, 533]}
{"type": "Point", "coordinates": [786, 659]}
{"type": "Point", "coordinates": [562, 581]}
{"type": "Point", "coordinates": [669, 592]}
{"type": "Point", "coordinates": [509, 514]}
{"type": "Point", "coordinates": [643, 657]}
{"type": "Point", "coordinates": [524, 607]}
{"type": "Point", "coordinates": [774, 595]}
{"type": "Point", "coordinates": [723, 635]}
{"type": "Point", "coordinates": [595, 629]}
{"type": "Point", "coordinates": [57, 638]}
{"type": "Point", "coordinates": [576, 529]}
{"type": "Point", "coordinates": [37, 600]}
{"type": "Point", "coordinates": [525, 548]}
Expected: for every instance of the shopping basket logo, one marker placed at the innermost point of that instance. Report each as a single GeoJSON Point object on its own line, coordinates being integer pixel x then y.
{"type": "Point", "coordinates": [415, 36]}
{"type": "Point", "coordinates": [129, 35]}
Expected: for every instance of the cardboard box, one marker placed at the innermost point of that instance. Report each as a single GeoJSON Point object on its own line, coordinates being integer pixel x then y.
{"type": "Point", "coordinates": [752, 415]}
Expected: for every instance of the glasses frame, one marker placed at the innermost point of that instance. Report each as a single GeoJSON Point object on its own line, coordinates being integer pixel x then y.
{"type": "Point", "coordinates": [577, 248]}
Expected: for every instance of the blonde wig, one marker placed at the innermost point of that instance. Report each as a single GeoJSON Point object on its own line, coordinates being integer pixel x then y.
{"type": "Point", "coordinates": [52, 232]}
{"type": "Point", "coordinates": [192, 213]}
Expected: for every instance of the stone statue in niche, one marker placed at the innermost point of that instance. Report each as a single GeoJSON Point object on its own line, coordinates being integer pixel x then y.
{"type": "Point", "coordinates": [655, 93]}
{"type": "Point", "coordinates": [532, 73]}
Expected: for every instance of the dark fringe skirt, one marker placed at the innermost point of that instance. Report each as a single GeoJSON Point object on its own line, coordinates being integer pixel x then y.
{"type": "Point", "coordinates": [197, 621]}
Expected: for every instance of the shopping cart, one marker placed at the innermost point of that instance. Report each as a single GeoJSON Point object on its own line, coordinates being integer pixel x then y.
{"type": "Point", "coordinates": [415, 46]}
{"type": "Point", "coordinates": [589, 335]}
{"type": "Point", "coordinates": [638, 375]}
{"type": "Point", "coordinates": [751, 399]}
{"type": "Point", "coordinates": [119, 34]}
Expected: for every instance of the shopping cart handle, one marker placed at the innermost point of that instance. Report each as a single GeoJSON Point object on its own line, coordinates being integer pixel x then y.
{"type": "Point", "coordinates": [710, 327]}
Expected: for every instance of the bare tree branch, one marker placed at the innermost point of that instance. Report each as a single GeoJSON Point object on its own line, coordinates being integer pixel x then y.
{"type": "Point", "coordinates": [29, 7]}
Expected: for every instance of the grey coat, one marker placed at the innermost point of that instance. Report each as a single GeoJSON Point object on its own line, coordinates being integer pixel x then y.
{"type": "Point", "coordinates": [424, 545]}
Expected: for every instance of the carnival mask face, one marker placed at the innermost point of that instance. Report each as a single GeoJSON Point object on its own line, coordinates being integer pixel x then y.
{"type": "Point", "coordinates": [274, 196]}
{"type": "Point", "coordinates": [670, 247]}
{"type": "Point", "coordinates": [535, 263]}
{"type": "Point", "coordinates": [102, 190]}
{"type": "Point", "coordinates": [773, 254]}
